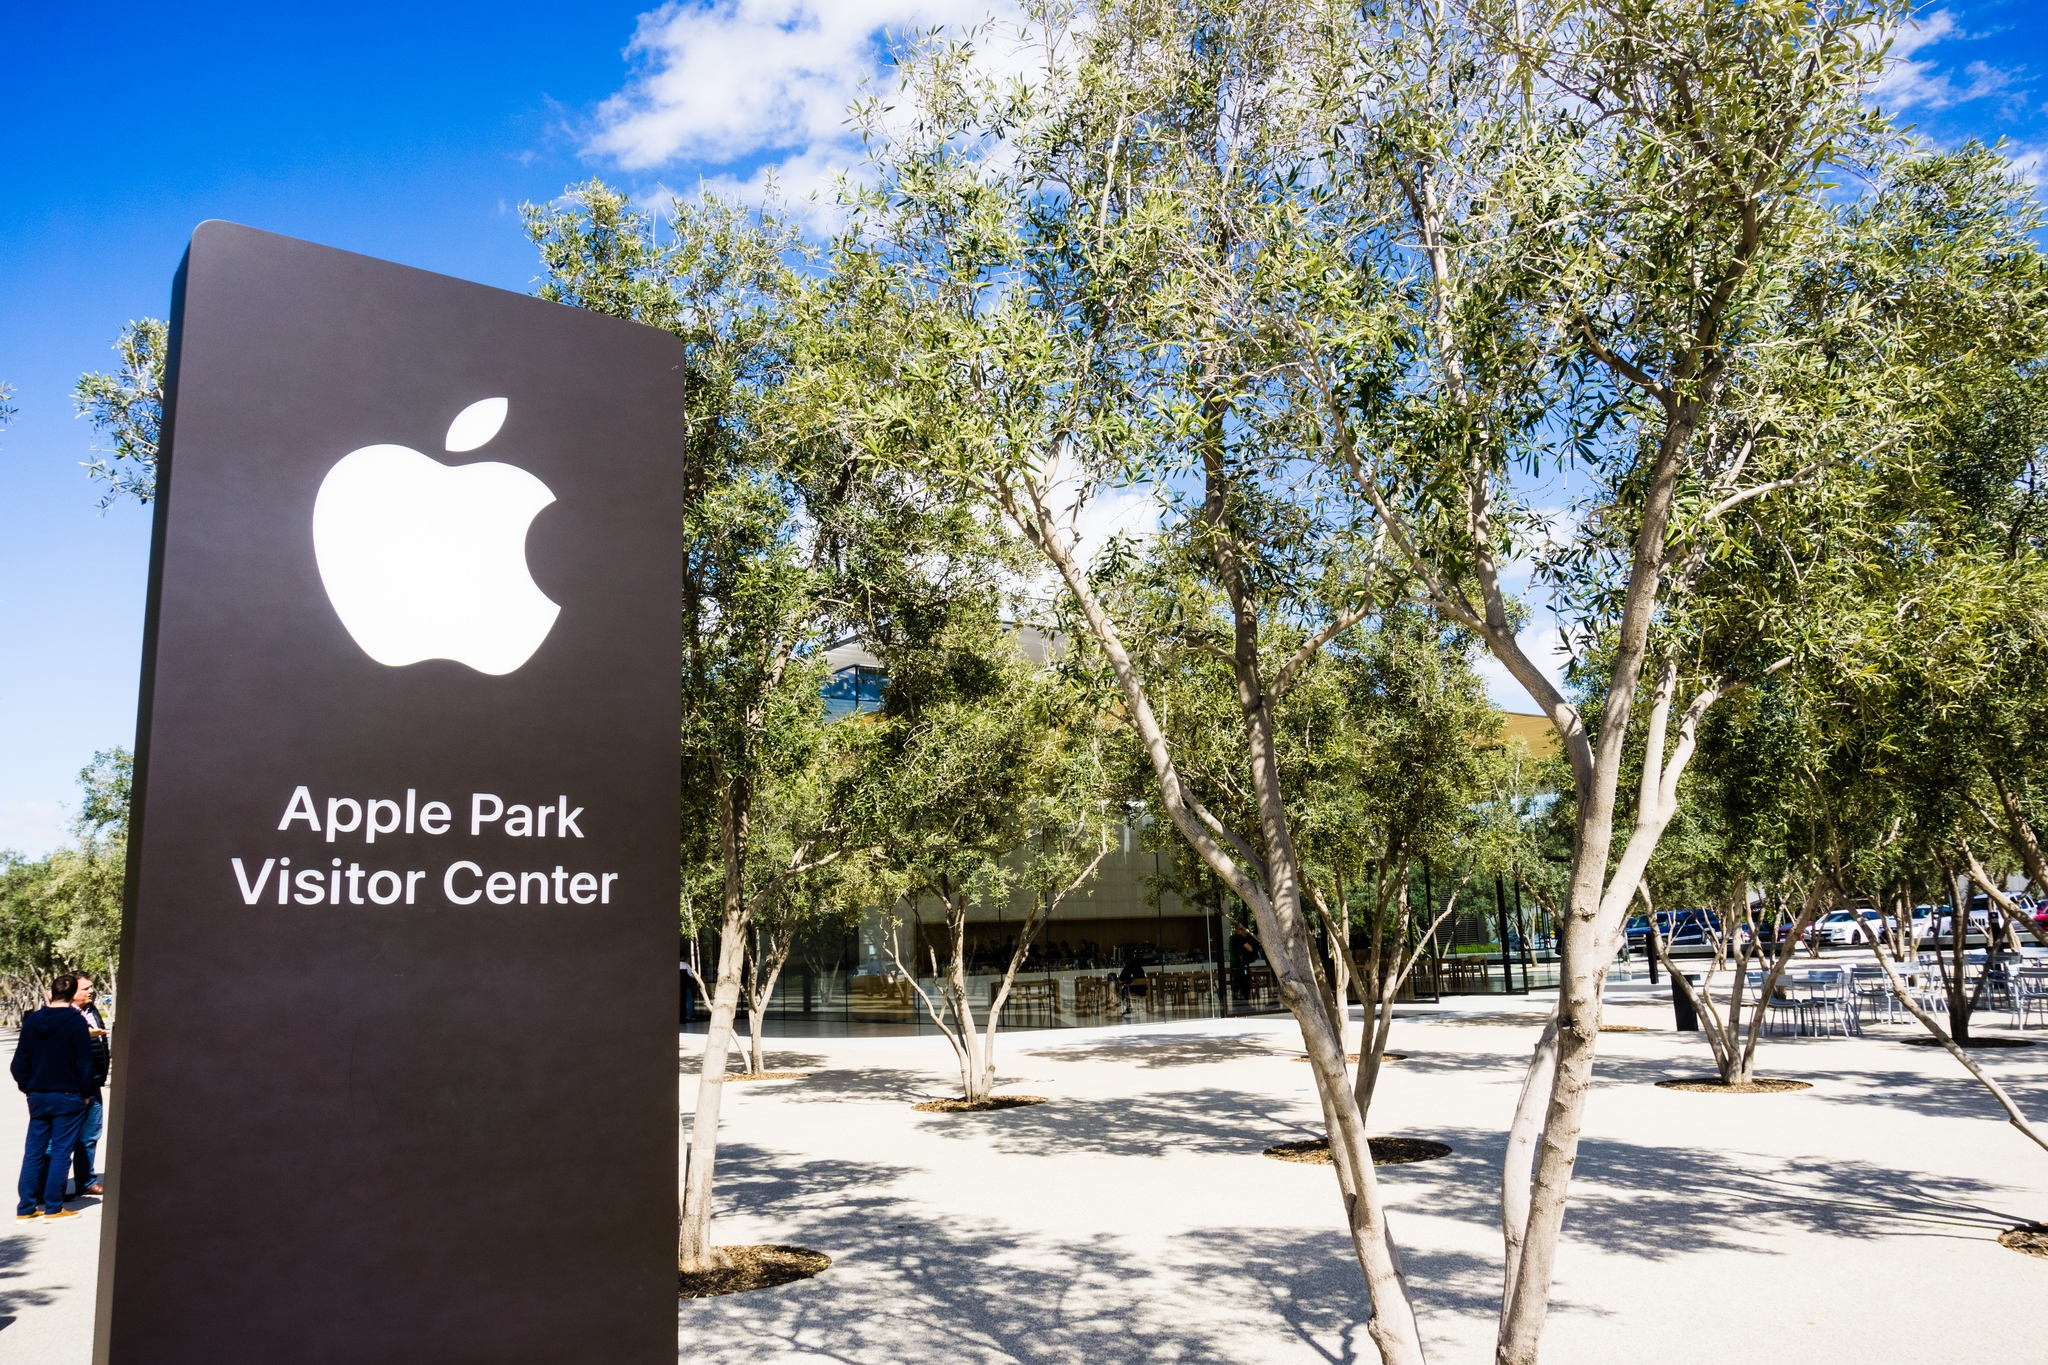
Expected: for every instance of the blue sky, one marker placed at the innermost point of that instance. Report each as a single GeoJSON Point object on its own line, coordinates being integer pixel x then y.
{"type": "Point", "coordinates": [412, 133]}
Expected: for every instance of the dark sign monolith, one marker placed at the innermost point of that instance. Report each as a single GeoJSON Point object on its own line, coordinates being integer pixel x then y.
{"type": "Point", "coordinates": [395, 1066]}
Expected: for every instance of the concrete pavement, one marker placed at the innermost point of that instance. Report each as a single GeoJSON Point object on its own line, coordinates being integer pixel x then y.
{"type": "Point", "coordinates": [1133, 1219]}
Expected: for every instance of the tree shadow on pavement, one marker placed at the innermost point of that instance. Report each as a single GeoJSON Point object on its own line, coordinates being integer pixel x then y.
{"type": "Point", "coordinates": [14, 1257]}
{"type": "Point", "coordinates": [1169, 1051]}
{"type": "Point", "coordinates": [911, 1288]}
{"type": "Point", "coordinates": [1663, 1202]}
{"type": "Point", "coordinates": [775, 1058]}
{"type": "Point", "coordinates": [1943, 1090]}
{"type": "Point", "coordinates": [764, 1181]}
{"type": "Point", "coordinates": [1211, 1120]}
{"type": "Point", "coordinates": [898, 1084]}
{"type": "Point", "coordinates": [1956, 1096]}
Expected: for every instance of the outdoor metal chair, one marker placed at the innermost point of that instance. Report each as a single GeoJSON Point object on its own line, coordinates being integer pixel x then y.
{"type": "Point", "coordinates": [1869, 986]}
{"type": "Point", "coordinates": [1826, 1006]}
{"type": "Point", "coordinates": [1998, 988]}
{"type": "Point", "coordinates": [2029, 993]}
{"type": "Point", "coordinates": [1930, 972]}
{"type": "Point", "coordinates": [1777, 1006]}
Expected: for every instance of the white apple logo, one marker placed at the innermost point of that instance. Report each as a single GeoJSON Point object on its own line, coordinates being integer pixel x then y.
{"type": "Point", "coordinates": [424, 560]}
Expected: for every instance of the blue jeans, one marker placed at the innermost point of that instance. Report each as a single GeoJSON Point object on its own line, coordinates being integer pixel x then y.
{"type": "Point", "coordinates": [87, 1147]}
{"type": "Point", "coordinates": [53, 1125]}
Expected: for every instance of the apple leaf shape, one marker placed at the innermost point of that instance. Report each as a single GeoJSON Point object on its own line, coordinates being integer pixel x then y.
{"type": "Point", "coordinates": [476, 424]}
{"type": "Point", "coordinates": [424, 560]}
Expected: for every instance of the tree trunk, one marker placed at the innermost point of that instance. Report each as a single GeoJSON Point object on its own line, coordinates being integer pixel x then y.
{"type": "Point", "coordinates": [1718, 1040]}
{"type": "Point", "coordinates": [977, 1069]}
{"type": "Point", "coordinates": [1746, 1071]}
{"type": "Point", "coordinates": [1955, 980]}
{"type": "Point", "coordinates": [1524, 1134]}
{"type": "Point", "coordinates": [1284, 932]}
{"type": "Point", "coordinates": [1277, 914]}
{"type": "Point", "coordinates": [693, 1247]}
{"type": "Point", "coordinates": [1042, 911]}
{"type": "Point", "coordinates": [1597, 915]}
{"type": "Point", "coordinates": [694, 1250]}
{"type": "Point", "coordinates": [1525, 1302]}
{"type": "Point", "coordinates": [755, 1064]}
{"type": "Point", "coordinates": [763, 970]}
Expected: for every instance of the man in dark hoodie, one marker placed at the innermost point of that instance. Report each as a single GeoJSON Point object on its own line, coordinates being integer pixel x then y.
{"type": "Point", "coordinates": [53, 1065]}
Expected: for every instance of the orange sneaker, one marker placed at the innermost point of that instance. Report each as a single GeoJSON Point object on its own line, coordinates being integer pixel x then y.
{"type": "Point", "coordinates": [59, 1213]}
{"type": "Point", "coordinates": [32, 1216]}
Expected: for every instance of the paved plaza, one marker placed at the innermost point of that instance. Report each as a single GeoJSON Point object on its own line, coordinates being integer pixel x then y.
{"type": "Point", "coordinates": [1132, 1218]}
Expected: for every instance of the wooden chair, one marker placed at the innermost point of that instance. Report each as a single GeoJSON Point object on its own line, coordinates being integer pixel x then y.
{"type": "Point", "coordinates": [1032, 997]}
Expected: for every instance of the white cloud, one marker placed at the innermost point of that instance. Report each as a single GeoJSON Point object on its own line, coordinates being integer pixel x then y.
{"type": "Point", "coordinates": [1129, 512]}
{"type": "Point", "coordinates": [1133, 513]}
{"type": "Point", "coordinates": [1911, 84]}
{"type": "Point", "coordinates": [33, 827]}
{"type": "Point", "coordinates": [805, 186]}
{"type": "Point", "coordinates": [2029, 162]}
{"type": "Point", "coordinates": [1923, 32]}
{"type": "Point", "coordinates": [732, 80]}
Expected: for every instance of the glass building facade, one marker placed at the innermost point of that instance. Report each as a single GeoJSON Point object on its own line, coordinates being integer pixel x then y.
{"type": "Point", "coordinates": [1115, 952]}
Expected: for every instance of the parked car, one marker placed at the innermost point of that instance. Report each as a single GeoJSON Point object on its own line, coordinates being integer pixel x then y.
{"type": "Point", "coordinates": [1773, 933]}
{"type": "Point", "coordinates": [1844, 928]}
{"type": "Point", "coordinates": [1942, 924]}
{"type": "Point", "coordinates": [1678, 928]}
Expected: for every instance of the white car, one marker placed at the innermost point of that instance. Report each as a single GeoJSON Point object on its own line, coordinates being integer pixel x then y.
{"type": "Point", "coordinates": [1942, 926]}
{"type": "Point", "coordinates": [1843, 928]}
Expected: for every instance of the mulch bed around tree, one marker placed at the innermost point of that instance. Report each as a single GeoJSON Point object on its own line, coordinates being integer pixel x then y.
{"type": "Point", "coordinates": [1713, 1085]}
{"type": "Point", "coordinates": [1993, 1040]}
{"type": "Point", "coordinates": [2031, 1238]}
{"type": "Point", "coordinates": [764, 1076]}
{"type": "Point", "coordinates": [1386, 1151]}
{"type": "Point", "coordinates": [1384, 1056]}
{"type": "Point", "coordinates": [753, 1267]}
{"type": "Point", "coordinates": [966, 1106]}
{"type": "Point", "coordinates": [1623, 1028]}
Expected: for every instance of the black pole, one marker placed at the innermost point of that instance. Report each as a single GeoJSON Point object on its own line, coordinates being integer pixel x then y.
{"type": "Point", "coordinates": [1223, 954]}
{"type": "Point", "coordinates": [1209, 950]}
{"type": "Point", "coordinates": [1429, 913]}
{"type": "Point", "coordinates": [1415, 970]}
{"type": "Point", "coordinates": [1507, 964]}
{"type": "Point", "coordinates": [1522, 928]}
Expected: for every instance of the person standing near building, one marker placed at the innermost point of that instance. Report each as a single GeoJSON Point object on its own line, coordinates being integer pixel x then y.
{"type": "Point", "coordinates": [53, 1066]}
{"type": "Point", "coordinates": [83, 1152]}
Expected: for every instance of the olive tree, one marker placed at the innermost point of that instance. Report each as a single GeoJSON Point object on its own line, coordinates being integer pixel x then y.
{"type": "Point", "coordinates": [790, 542]}
{"type": "Point", "coordinates": [981, 783]}
{"type": "Point", "coordinates": [1108, 273]}
{"type": "Point", "coordinates": [128, 406]}
{"type": "Point", "coordinates": [1596, 213]}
